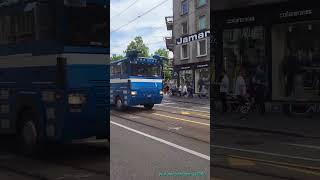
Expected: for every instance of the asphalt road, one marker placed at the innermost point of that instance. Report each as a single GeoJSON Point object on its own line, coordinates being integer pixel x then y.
{"type": "Point", "coordinates": [244, 155]}
{"type": "Point", "coordinates": [172, 138]}
{"type": "Point", "coordinates": [86, 159]}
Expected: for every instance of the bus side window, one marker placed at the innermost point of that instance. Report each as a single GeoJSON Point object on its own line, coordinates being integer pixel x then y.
{"type": "Point", "coordinates": [124, 69]}
{"type": "Point", "coordinates": [115, 71]}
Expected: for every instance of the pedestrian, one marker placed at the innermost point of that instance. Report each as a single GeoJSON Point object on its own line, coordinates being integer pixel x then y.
{"type": "Point", "coordinates": [260, 84]}
{"type": "Point", "coordinates": [203, 92]}
{"type": "Point", "coordinates": [184, 90]}
{"type": "Point", "coordinates": [180, 90]}
{"type": "Point", "coordinates": [224, 89]}
{"type": "Point", "coordinates": [240, 88]}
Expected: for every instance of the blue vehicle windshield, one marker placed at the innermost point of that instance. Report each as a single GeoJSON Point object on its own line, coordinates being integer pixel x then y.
{"type": "Point", "coordinates": [86, 29]}
{"type": "Point", "coordinates": [146, 70]}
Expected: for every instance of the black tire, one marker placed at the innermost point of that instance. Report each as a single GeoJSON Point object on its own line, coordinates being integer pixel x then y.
{"type": "Point", "coordinates": [148, 106]}
{"type": "Point", "coordinates": [119, 104]}
{"type": "Point", "coordinates": [28, 134]}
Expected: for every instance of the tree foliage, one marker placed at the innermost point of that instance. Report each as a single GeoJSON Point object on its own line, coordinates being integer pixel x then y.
{"type": "Point", "coordinates": [167, 66]}
{"type": "Point", "coordinates": [116, 57]}
{"type": "Point", "coordinates": [138, 44]}
{"type": "Point", "coordinates": [162, 52]}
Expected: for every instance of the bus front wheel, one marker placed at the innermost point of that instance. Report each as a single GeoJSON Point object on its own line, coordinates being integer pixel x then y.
{"type": "Point", "coordinates": [119, 104]}
{"type": "Point", "coordinates": [148, 106]}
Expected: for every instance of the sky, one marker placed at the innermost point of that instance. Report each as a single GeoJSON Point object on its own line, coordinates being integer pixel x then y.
{"type": "Point", "coordinates": [151, 27]}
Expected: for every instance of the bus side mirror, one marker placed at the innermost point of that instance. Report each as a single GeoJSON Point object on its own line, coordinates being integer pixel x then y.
{"type": "Point", "coordinates": [61, 72]}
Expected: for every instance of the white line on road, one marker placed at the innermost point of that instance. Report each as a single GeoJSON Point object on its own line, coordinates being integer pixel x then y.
{"type": "Point", "coordinates": [183, 108]}
{"type": "Point", "coordinates": [164, 141]}
{"type": "Point", "coordinates": [267, 153]}
{"type": "Point", "coordinates": [303, 145]}
{"type": "Point", "coordinates": [167, 103]}
{"type": "Point", "coordinates": [205, 107]}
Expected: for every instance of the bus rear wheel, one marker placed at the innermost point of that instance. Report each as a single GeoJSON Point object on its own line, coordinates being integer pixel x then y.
{"type": "Point", "coordinates": [148, 106]}
{"type": "Point", "coordinates": [28, 136]}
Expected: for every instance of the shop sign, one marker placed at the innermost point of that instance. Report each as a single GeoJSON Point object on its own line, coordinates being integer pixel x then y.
{"type": "Point", "coordinates": [295, 13]}
{"type": "Point", "coordinates": [75, 3]}
{"type": "Point", "coordinates": [202, 66]}
{"type": "Point", "coordinates": [192, 37]}
{"type": "Point", "coordinates": [241, 20]}
{"type": "Point", "coordinates": [8, 2]}
{"type": "Point", "coordinates": [185, 68]}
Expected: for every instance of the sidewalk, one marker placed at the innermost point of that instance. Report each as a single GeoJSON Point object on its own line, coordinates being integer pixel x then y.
{"type": "Point", "coordinates": [195, 99]}
{"type": "Point", "coordinates": [278, 123]}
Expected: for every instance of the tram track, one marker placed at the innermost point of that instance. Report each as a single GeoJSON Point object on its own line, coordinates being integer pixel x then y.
{"type": "Point", "coordinates": [204, 117]}
{"type": "Point", "coordinates": [252, 172]}
{"type": "Point", "coordinates": [59, 161]}
{"type": "Point", "coordinates": [23, 173]}
{"type": "Point", "coordinates": [118, 115]}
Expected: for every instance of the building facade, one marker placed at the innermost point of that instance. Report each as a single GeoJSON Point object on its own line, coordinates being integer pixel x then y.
{"type": "Point", "coordinates": [190, 43]}
{"type": "Point", "coordinates": [276, 36]}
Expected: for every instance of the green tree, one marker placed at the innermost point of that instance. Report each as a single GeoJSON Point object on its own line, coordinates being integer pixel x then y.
{"type": "Point", "coordinates": [116, 57]}
{"type": "Point", "coordinates": [138, 44]}
{"type": "Point", "coordinates": [162, 52]}
{"type": "Point", "coordinates": [167, 66]}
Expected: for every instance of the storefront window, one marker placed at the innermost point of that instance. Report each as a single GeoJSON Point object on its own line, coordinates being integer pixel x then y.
{"type": "Point", "coordinates": [296, 60]}
{"type": "Point", "coordinates": [202, 79]}
{"type": "Point", "coordinates": [244, 48]}
{"type": "Point", "coordinates": [186, 77]}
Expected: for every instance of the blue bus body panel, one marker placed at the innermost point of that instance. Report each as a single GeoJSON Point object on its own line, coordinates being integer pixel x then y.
{"type": "Point", "coordinates": [147, 93]}
{"type": "Point", "coordinates": [94, 117]}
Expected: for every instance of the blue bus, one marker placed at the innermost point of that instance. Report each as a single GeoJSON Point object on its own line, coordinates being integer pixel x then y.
{"type": "Point", "coordinates": [54, 71]}
{"type": "Point", "coordinates": [136, 81]}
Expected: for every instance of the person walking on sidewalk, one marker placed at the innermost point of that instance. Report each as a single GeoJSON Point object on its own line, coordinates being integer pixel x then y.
{"type": "Point", "coordinates": [180, 90]}
{"type": "Point", "coordinates": [259, 80]}
{"type": "Point", "coordinates": [224, 89]}
{"type": "Point", "coordinates": [240, 88]}
{"type": "Point", "coordinates": [184, 90]}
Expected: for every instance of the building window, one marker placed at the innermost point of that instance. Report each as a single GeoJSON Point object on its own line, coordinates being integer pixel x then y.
{"type": "Point", "coordinates": [202, 3]}
{"type": "Point", "coordinates": [184, 27]}
{"type": "Point", "coordinates": [186, 77]}
{"type": "Point", "coordinates": [202, 22]}
{"type": "Point", "coordinates": [202, 80]}
{"type": "Point", "coordinates": [184, 51]}
{"type": "Point", "coordinates": [296, 60]}
{"type": "Point", "coordinates": [202, 47]}
{"type": "Point", "coordinates": [184, 7]}
{"type": "Point", "coordinates": [246, 52]}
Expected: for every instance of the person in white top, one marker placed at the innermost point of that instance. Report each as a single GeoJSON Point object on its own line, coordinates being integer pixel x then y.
{"type": "Point", "coordinates": [224, 89]}
{"type": "Point", "coordinates": [180, 90]}
{"type": "Point", "coordinates": [184, 90]}
{"type": "Point", "coordinates": [240, 87]}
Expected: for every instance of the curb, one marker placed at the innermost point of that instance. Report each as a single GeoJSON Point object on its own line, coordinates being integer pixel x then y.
{"type": "Point", "coordinates": [287, 133]}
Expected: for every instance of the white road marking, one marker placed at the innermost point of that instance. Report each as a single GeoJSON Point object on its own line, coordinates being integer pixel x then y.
{"type": "Point", "coordinates": [133, 117]}
{"type": "Point", "coordinates": [165, 104]}
{"type": "Point", "coordinates": [186, 109]}
{"type": "Point", "coordinates": [164, 141]}
{"type": "Point", "coordinates": [174, 128]}
{"type": "Point", "coordinates": [304, 145]}
{"type": "Point", "coordinates": [267, 153]}
{"type": "Point", "coordinates": [205, 107]}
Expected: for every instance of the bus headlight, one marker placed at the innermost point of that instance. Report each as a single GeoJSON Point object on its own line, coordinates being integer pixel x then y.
{"type": "Point", "coordinates": [134, 93]}
{"type": "Point", "coordinates": [76, 99]}
{"type": "Point", "coordinates": [161, 92]}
